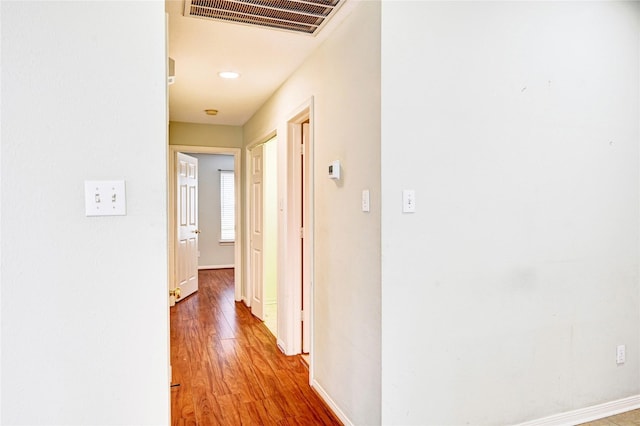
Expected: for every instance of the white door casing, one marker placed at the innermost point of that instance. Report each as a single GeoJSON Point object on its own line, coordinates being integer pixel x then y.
{"type": "Point", "coordinates": [292, 279]}
{"type": "Point", "coordinates": [187, 222]}
{"type": "Point", "coordinates": [305, 246]}
{"type": "Point", "coordinates": [256, 275]}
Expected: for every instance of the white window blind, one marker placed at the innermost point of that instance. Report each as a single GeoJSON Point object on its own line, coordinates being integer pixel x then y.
{"type": "Point", "coordinates": [227, 206]}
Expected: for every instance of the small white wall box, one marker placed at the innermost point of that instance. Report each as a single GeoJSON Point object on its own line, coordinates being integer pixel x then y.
{"type": "Point", "coordinates": [334, 170]}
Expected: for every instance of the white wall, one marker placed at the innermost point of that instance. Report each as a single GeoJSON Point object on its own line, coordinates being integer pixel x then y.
{"type": "Point", "coordinates": [506, 293]}
{"type": "Point", "coordinates": [196, 134]}
{"type": "Point", "coordinates": [212, 252]}
{"type": "Point", "coordinates": [343, 76]}
{"type": "Point", "coordinates": [84, 299]}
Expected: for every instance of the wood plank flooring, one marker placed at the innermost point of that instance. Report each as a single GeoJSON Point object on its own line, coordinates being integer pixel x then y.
{"type": "Point", "coordinates": [630, 418]}
{"type": "Point", "coordinates": [227, 369]}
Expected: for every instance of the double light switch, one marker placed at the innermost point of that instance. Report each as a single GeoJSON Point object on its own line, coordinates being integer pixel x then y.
{"type": "Point", "coordinates": [105, 198]}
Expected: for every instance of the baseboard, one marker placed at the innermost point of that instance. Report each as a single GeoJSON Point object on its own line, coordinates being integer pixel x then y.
{"type": "Point", "coordinates": [216, 267]}
{"type": "Point", "coordinates": [588, 414]}
{"type": "Point", "coordinates": [334, 407]}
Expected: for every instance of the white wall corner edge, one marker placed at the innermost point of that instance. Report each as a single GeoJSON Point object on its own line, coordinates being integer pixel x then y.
{"type": "Point", "coordinates": [588, 414]}
{"type": "Point", "coordinates": [331, 403]}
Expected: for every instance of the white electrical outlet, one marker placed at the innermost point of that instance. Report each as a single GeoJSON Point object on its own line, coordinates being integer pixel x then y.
{"type": "Point", "coordinates": [620, 354]}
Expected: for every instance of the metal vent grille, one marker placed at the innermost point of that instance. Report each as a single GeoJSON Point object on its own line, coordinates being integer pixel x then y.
{"type": "Point", "coordinates": [305, 16]}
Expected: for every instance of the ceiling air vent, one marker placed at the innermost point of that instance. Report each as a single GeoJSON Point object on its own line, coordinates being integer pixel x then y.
{"type": "Point", "coordinates": [305, 16]}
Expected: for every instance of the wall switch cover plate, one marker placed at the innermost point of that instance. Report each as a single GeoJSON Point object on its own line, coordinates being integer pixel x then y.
{"type": "Point", "coordinates": [365, 200]}
{"type": "Point", "coordinates": [408, 201]}
{"type": "Point", "coordinates": [105, 198]}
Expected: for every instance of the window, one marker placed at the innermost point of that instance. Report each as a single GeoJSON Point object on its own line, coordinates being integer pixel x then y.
{"type": "Point", "coordinates": [227, 206]}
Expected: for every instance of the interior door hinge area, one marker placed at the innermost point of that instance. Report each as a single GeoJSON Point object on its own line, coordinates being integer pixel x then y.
{"type": "Point", "coordinates": [302, 316]}
{"type": "Point", "coordinates": [301, 233]}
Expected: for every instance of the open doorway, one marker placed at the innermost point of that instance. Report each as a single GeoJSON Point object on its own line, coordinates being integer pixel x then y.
{"type": "Point", "coordinates": [297, 271]}
{"type": "Point", "coordinates": [174, 194]}
{"type": "Point", "coordinates": [216, 216]}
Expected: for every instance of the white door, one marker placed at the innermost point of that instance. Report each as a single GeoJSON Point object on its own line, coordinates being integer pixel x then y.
{"type": "Point", "coordinates": [256, 233]}
{"type": "Point", "coordinates": [187, 215]}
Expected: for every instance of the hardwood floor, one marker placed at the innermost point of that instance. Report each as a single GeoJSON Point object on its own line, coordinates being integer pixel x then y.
{"type": "Point", "coordinates": [227, 369]}
{"type": "Point", "coordinates": [630, 418]}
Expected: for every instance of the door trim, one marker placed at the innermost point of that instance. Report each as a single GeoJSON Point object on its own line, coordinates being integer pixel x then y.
{"type": "Point", "coordinates": [291, 274]}
{"type": "Point", "coordinates": [171, 207]}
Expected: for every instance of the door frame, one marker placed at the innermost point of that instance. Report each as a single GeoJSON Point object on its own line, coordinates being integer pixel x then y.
{"type": "Point", "coordinates": [171, 207]}
{"type": "Point", "coordinates": [291, 249]}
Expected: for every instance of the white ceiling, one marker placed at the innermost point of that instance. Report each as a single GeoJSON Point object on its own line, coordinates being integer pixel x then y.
{"type": "Point", "coordinates": [265, 58]}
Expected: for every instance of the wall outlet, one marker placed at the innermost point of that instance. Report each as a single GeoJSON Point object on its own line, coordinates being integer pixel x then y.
{"type": "Point", "coordinates": [621, 354]}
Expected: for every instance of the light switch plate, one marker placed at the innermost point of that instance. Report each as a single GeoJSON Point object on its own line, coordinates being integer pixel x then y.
{"type": "Point", "coordinates": [105, 198]}
{"type": "Point", "coordinates": [408, 201]}
{"type": "Point", "coordinates": [621, 354]}
{"type": "Point", "coordinates": [365, 200]}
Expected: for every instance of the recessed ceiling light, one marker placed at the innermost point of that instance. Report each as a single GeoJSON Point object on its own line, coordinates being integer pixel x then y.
{"type": "Point", "coordinates": [229, 74]}
{"type": "Point", "coordinates": [211, 111]}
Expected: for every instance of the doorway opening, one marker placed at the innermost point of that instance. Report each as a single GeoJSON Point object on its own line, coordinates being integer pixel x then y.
{"type": "Point", "coordinates": [226, 156]}
{"type": "Point", "coordinates": [216, 215]}
{"type": "Point", "coordinates": [297, 271]}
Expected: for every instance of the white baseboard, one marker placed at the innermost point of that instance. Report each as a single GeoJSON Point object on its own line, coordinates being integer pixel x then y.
{"type": "Point", "coordinates": [216, 267]}
{"type": "Point", "coordinates": [334, 407]}
{"type": "Point", "coordinates": [588, 414]}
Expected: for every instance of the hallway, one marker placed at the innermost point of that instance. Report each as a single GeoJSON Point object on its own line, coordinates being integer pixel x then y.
{"type": "Point", "coordinates": [227, 369]}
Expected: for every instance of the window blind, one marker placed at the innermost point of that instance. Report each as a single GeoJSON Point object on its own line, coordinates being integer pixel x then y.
{"type": "Point", "coordinates": [227, 206]}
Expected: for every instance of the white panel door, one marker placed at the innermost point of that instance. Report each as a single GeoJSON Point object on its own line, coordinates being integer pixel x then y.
{"type": "Point", "coordinates": [256, 275]}
{"type": "Point", "coordinates": [187, 215]}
